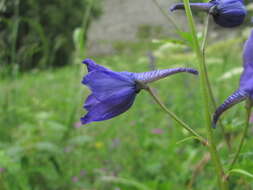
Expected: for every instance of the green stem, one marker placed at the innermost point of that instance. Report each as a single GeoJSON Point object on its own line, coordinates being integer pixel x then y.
{"type": "Point", "coordinates": [205, 93]}
{"type": "Point", "coordinates": [14, 35]}
{"type": "Point", "coordinates": [86, 19]}
{"type": "Point", "coordinates": [205, 34]}
{"type": "Point", "coordinates": [248, 112]}
{"type": "Point", "coordinates": [175, 117]}
{"type": "Point", "coordinates": [203, 49]}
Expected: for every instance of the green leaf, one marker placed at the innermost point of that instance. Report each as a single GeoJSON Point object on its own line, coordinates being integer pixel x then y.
{"type": "Point", "coordinates": [187, 139]}
{"type": "Point", "coordinates": [168, 40]}
{"type": "Point", "coordinates": [241, 171]}
{"type": "Point", "coordinates": [78, 37]}
{"type": "Point", "coordinates": [187, 37]}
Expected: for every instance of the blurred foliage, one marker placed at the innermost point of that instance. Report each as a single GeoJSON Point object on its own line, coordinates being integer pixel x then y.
{"type": "Point", "coordinates": [38, 33]}
{"type": "Point", "coordinates": [42, 143]}
{"type": "Point", "coordinates": [44, 147]}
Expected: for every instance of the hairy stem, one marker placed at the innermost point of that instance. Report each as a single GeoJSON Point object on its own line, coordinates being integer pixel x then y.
{"type": "Point", "coordinates": [206, 96]}
{"type": "Point", "coordinates": [175, 117]}
{"type": "Point", "coordinates": [213, 102]}
{"type": "Point", "coordinates": [244, 134]}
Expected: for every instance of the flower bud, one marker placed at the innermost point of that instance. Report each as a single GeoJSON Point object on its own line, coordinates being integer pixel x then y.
{"type": "Point", "coordinates": [226, 13]}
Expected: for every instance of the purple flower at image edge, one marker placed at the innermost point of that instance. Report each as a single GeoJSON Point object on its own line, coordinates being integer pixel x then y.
{"type": "Point", "coordinates": [113, 93]}
{"type": "Point", "coordinates": [245, 90]}
{"type": "Point", "coordinates": [226, 13]}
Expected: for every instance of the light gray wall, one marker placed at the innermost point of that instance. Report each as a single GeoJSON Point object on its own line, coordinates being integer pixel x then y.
{"type": "Point", "coordinates": [122, 18]}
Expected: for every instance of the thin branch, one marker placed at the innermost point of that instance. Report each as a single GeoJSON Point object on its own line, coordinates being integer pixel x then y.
{"type": "Point", "coordinates": [203, 49]}
{"type": "Point", "coordinates": [168, 17]}
{"type": "Point", "coordinates": [175, 117]}
{"type": "Point", "coordinates": [205, 93]}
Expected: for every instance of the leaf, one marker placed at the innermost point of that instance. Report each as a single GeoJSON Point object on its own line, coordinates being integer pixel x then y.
{"type": "Point", "coordinates": [241, 171]}
{"type": "Point", "coordinates": [168, 40]}
{"type": "Point", "coordinates": [78, 37]}
{"type": "Point", "coordinates": [187, 36]}
{"type": "Point", "coordinates": [186, 139]}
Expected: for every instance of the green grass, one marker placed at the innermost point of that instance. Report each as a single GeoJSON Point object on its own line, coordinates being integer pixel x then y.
{"type": "Point", "coordinates": [41, 148]}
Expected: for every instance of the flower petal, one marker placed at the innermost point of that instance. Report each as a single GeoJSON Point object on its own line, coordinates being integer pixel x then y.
{"type": "Point", "coordinates": [235, 98]}
{"type": "Point", "coordinates": [103, 84]}
{"type": "Point", "coordinates": [248, 49]}
{"type": "Point", "coordinates": [90, 102]}
{"type": "Point", "coordinates": [113, 106]}
{"type": "Point", "coordinates": [92, 66]}
{"type": "Point", "coordinates": [246, 81]}
{"type": "Point", "coordinates": [151, 76]}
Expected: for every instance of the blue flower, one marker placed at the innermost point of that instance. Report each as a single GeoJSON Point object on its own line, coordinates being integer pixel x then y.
{"type": "Point", "coordinates": [226, 13]}
{"type": "Point", "coordinates": [245, 90]}
{"type": "Point", "coordinates": [113, 93]}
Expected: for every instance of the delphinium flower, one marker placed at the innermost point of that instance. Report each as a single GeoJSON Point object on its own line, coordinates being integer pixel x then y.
{"type": "Point", "coordinates": [113, 93]}
{"type": "Point", "coordinates": [226, 13]}
{"type": "Point", "coordinates": [245, 90]}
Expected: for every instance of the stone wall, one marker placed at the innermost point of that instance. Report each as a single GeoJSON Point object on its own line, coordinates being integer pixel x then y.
{"type": "Point", "coordinates": [122, 21]}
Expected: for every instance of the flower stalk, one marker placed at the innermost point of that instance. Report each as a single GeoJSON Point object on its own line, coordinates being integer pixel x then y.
{"type": "Point", "coordinates": [175, 117]}
{"type": "Point", "coordinates": [213, 102]}
{"type": "Point", "coordinates": [206, 96]}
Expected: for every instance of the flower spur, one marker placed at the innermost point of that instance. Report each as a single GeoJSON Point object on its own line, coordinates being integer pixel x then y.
{"type": "Point", "coordinates": [113, 93]}
{"type": "Point", "coordinates": [245, 90]}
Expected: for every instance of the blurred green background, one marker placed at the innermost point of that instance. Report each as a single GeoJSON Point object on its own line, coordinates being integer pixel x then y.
{"type": "Point", "coordinates": [44, 147]}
